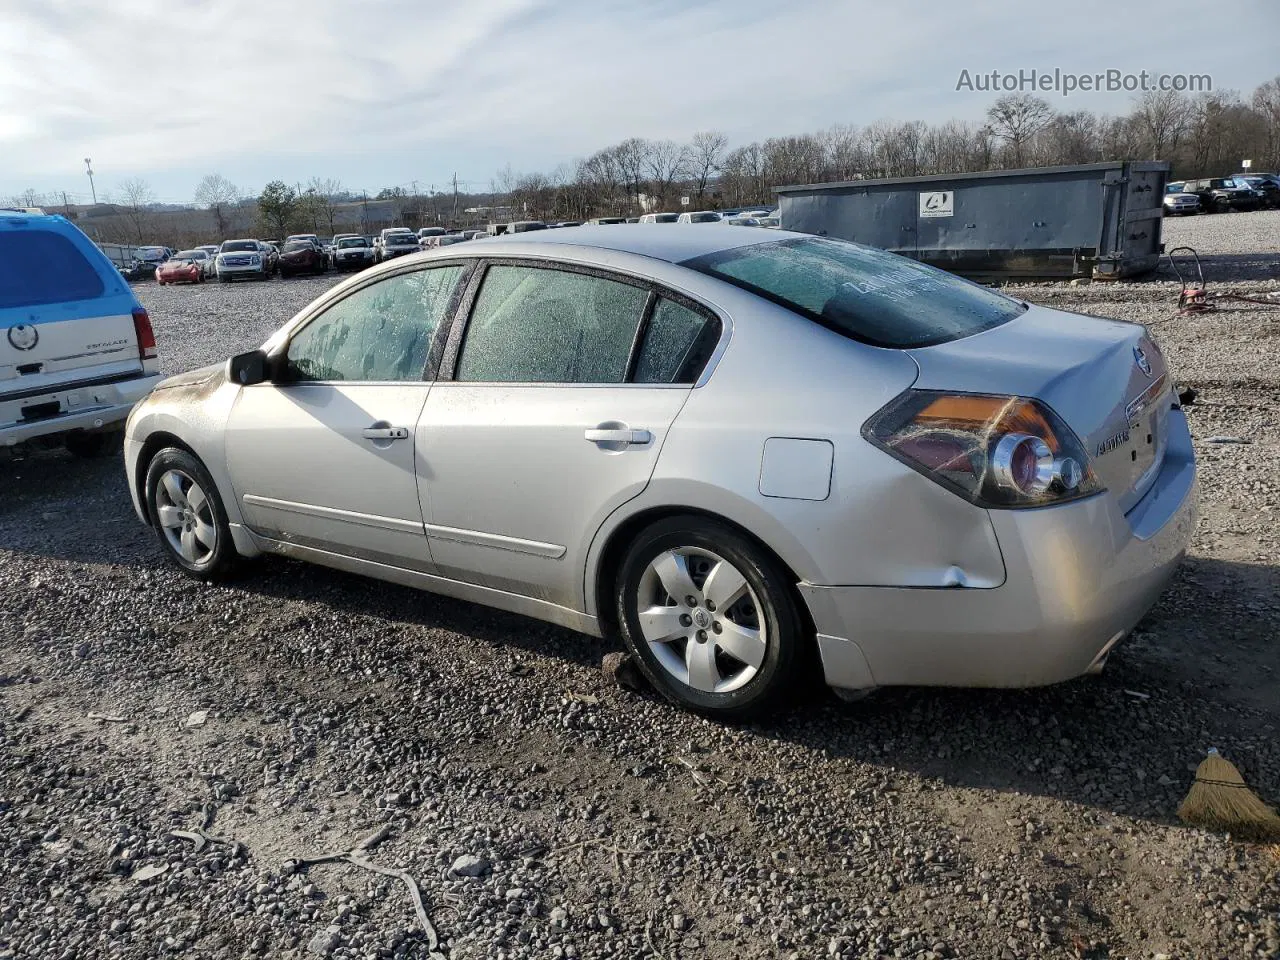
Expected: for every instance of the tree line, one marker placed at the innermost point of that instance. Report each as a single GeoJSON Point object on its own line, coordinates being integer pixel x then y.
{"type": "Point", "coordinates": [1201, 135]}
{"type": "Point", "coordinates": [1205, 134]}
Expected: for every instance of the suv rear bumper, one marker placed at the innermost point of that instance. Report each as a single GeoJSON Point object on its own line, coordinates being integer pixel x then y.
{"type": "Point", "coordinates": [110, 404]}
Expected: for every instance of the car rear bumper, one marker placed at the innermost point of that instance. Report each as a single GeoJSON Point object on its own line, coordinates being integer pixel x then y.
{"type": "Point", "coordinates": [106, 406]}
{"type": "Point", "coordinates": [1080, 577]}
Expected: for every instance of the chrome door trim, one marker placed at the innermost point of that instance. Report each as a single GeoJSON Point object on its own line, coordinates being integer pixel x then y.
{"type": "Point", "coordinates": [471, 592]}
{"type": "Point", "coordinates": [333, 513]}
{"type": "Point", "coordinates": [536, 548]}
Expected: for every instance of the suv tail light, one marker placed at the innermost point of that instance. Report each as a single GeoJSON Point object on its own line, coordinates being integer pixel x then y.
{"type": "Point", "coordinates": [146, 337]}
{"type": "Point", "coordinates": [995, 451]}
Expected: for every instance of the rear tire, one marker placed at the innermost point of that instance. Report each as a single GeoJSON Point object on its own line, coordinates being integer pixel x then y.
{"type": "Point", "coordinates": [737, 650]}
{"type": "Point", "coordinates": [188, 516]}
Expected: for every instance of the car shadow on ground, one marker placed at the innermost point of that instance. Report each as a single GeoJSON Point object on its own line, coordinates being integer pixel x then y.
{"type": "Point", "coordinates": [1200, 671]}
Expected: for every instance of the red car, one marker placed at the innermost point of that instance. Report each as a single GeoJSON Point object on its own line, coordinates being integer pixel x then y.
{"type": "Point", "coordinates": [183, 267]}
{"type": "Point", "coordinates": [302, 256]}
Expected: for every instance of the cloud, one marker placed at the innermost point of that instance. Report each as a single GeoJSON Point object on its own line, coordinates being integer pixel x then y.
{"type": "Point", "coordinates": [380, 92]}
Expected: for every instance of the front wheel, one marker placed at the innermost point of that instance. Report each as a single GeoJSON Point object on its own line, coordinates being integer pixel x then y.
{"type": "Point", "coordinates": [188, 516]}
{"type": "Point", "coordinates": [710, 618]}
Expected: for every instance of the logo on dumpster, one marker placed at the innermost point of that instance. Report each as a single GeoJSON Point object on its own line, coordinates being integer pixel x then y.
{"type": "Point", "coordinates": [937, 203]}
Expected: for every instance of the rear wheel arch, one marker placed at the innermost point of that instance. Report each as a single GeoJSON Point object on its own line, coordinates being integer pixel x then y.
{"type": "Point", "coordinates": [619, 540]}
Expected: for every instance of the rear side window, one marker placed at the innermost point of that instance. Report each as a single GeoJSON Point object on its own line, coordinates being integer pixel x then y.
{"type": "Point", "coordinates": [864, 293]}
{"type": "Point", "coordinates": [536, 325]}
{"type": "Point", "coordinates": [40, 266]}
{"type": "Point", "coordinates": [677, 344]}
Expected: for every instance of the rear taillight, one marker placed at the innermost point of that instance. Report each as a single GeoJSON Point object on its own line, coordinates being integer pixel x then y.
{"type": "Point", "coordinates": [995, 451]}
{"type": "Point", "coordinates": [146, 337]}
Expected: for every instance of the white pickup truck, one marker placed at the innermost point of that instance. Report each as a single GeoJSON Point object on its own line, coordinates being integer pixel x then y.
{"type": "Point", "coordinates": [76, 347]}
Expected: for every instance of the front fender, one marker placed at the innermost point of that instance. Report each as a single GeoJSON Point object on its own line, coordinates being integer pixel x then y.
{"type": "Point", "coordinates": [195, 414]}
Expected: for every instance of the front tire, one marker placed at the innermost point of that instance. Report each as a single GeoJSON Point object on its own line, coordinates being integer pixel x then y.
{"type": "Point", "coordinates": [188, 516]}
{"type": "Point", "coordinates": [710, 617]}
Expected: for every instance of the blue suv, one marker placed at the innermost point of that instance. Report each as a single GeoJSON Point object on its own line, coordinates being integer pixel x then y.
{"type": "Point", "coordinates": [76, 347]}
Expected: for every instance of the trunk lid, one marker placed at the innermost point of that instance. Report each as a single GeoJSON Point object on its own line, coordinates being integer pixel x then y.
{"type": "Point", "coordinates": [1106, 378]}
{"type": "Point", "coordinates": [40, 357]}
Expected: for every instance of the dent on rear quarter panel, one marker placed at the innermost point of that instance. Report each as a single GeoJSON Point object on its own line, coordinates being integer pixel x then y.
{"type": "Point", "coordinates": [881, 524]}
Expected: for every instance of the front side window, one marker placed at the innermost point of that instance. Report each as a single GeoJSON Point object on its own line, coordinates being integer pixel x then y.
{"type": "Point", "coordinates": [864, 293]}
{"type": "Point", "coordinates": [382, 332]}
{"type": "Point", "coordinates": [539, 325]}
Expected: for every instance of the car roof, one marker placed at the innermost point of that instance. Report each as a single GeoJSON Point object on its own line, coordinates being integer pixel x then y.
{"type": "Point", "coordinates": [672, 242]}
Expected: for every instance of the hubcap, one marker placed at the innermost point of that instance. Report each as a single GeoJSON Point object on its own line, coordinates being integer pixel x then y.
{"type": "Point", "coordinates": [186, 517]}
{"type": "Point", "coordinates": [701, 620]}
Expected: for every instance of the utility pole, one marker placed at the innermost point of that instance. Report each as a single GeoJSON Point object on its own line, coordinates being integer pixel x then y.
{"type": "Point", "coordinates": [364, 214]}
{"type": "Point", "coordinates": [66, 207]}
{"type": "Point", "coordinates": [455, 198]}
{"type": "Point", "coordinates": [92, 189]}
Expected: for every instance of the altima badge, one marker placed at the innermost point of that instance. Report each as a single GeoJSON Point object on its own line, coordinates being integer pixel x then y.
{"type": "Point", "coordinates": [24, 337]}
{"type": "Point", "coordinates": [1140, 358]}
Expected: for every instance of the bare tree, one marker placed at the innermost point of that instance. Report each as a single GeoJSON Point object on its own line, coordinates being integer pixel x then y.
{"type": "Point", "coordinates": [1017, 117]}
{"type": "Point", "coordinates": [1266, 101]}
{"type": "Point", "coordinates": [323, 192]}
{"type": "Point", "coordinates": [136, 195]}
{"type": "Point", "coordinates": [1161, 117]}
{"type": "Point", "coordinates": [706, 150]}
{"type": "Point", "coordinates": [218, 194]}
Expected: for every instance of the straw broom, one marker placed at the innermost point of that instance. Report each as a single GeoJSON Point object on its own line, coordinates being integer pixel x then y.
{"type": "Point", "coordinates": [1219, 800]}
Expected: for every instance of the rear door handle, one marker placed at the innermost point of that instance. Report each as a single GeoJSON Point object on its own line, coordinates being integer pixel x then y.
{"type": "Point", "coordinates": [611, 435]}
{"type": "Point", "coordinates": [385, 433]}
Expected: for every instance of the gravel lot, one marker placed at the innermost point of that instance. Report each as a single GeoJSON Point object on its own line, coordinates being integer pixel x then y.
{"type": "Point", "coordinates": [302, 710]}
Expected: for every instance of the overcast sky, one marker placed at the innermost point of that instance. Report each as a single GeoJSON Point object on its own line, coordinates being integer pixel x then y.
{"type": "Point", "coordinates": [383, 92]}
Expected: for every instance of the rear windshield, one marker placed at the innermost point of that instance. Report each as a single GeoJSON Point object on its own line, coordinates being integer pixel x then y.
{"type": "Point", "coordinates": [39, 266]}
{"type": "Point", "coordinates": [864, 293]}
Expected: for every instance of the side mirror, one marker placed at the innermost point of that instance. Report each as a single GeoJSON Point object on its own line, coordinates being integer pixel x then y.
{"type": "Point", "coordinates": [247, 369]}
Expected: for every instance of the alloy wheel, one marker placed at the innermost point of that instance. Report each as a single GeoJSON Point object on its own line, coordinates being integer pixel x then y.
{"type": "Point", "coordinates": [701, 620]}
{"type": "Point", "coordinates": [186, 517]}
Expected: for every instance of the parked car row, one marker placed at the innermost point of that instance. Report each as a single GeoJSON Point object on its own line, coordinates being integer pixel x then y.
{"type": "Point", "coordinates": [1222, 194]}
{"type": "Point", "coordinates": [308, 253]}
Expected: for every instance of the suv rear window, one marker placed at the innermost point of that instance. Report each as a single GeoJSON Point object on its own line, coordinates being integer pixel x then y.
{"type": "Point", "coordinates": [40, 266]}
{"type": "Point", "coordinates": [864, 293]}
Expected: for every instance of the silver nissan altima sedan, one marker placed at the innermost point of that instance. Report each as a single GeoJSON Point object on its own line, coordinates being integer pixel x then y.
{"type": "Point", "coordinates": [743, 451]}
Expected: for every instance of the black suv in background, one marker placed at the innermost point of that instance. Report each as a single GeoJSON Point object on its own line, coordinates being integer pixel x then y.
{"type": "Point", "coordinates": [1265, 185]}
{"type": "Point", "coordinates": [1221, 194]}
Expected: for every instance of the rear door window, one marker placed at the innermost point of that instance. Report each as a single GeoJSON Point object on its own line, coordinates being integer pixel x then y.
{"type": "Point", "coordinates": [864, 293]}
{"type": "Point", "coordinates": [41, 266]}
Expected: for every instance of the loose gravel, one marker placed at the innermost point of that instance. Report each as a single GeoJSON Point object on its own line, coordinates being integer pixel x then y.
{"type": "Point", "coordinates": [546, 812]}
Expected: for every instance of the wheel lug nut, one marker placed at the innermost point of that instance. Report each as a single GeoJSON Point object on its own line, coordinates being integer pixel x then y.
{"type": "Point", "coordinates": [685, 620]}
{"type": "Point", "coordinates": [691, 601]}
{"type": "Point", "coordinates": [710, 606]}
{"type": "Point", "coordinates": [702, 636]}
{"type": "Point", "coordinates": [716, 627]}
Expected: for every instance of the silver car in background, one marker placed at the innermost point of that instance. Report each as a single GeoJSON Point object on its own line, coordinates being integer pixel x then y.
{"type": "Point", "coordinates": [238, 259]}
{"type": "Point", "coordinates": [742, 450]}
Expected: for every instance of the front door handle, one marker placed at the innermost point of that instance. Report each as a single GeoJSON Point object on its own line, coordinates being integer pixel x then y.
{"type": "Point", "coordinates": [618, 436]}
{"type": "Point", "coordinates": [385, 433]}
